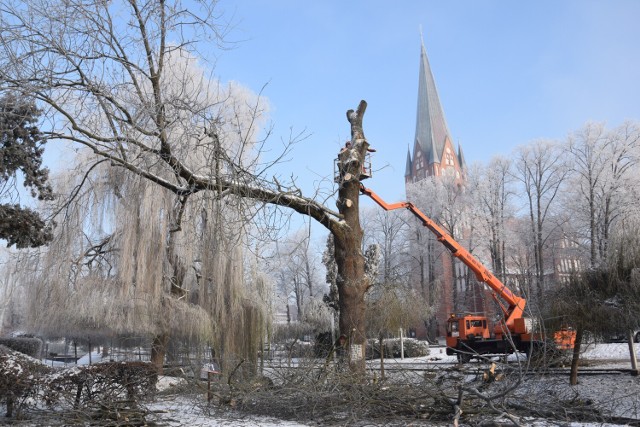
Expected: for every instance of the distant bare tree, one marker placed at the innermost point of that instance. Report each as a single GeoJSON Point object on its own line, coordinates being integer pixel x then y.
{"type": "Point", "coordinates": [620, 190]}
{"type": "Point", "coordinates": [296, 267]}
{"type": "Point", "coordinates": [389, 231]}
{"type": "Point", "coordinates": [587, 156]}
{"type": "Point", "coordinates": [540, 169]}
{"type": "Point", "coordinates": [492, 189]}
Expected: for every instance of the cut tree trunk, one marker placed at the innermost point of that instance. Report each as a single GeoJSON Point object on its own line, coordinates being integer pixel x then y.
{"type": "Point", "coordinates": [352, 282]}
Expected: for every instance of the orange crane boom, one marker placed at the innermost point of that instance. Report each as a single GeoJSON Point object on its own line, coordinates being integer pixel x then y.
{"type": "Point", "coordinates": [515, 305]}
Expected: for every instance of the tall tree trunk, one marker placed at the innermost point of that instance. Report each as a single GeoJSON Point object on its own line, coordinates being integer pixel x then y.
{"type": "Point", "coordinates": [458, 305]}
{"type": "Point", "coordinates": [352, 281]}
{"type": "Point", "coordinates": [540, 259]}
{"type": "Point", "coordinates": [308, 273]}
{"type": "Point", "coordinates": [592, 228]}
{"type": "Point", "coordinates": [381, 341]}
{"type": "Point", "coordinates": [352, 286]}
{"type": "Point", "coordinates": [573, 376]}
{"type": "Point", "coordinates": [632, 352]}
{"type": "Point", "coordinates": [297, 286]}
{"type": "Point", "coordinates": [158, 351]}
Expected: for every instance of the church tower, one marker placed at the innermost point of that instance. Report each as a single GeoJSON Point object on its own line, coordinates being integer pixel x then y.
{"type": "Point", "coordinates": [433, 151]}
{"type": "Point", "coordinates": [442, 279]}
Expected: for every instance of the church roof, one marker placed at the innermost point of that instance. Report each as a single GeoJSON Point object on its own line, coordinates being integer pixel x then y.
{"type": "Point", "coordinates": [431, 125]}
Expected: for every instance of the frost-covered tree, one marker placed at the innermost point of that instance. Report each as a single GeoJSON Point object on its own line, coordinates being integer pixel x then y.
{"type": "Point", "coordinates": [540, 170]}
{"type": "Point", "coordinates": [295, 267]}
{"type": "Point", "coordinates": [587, 155]}
{"type": "Point", "coordinates": [21, 150]}
{"type": "Point", "coordinates": [390, 232]}
{"type": "Point", "coordinates": [620, 190]}
{"type": "Point", "coordinates": [602, 183]}
{"type": "Point", "coordinates": [491, 188]}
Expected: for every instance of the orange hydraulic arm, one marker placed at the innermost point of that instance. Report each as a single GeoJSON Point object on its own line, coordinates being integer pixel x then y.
{"type": "Point", "coordinates": [516, 304]}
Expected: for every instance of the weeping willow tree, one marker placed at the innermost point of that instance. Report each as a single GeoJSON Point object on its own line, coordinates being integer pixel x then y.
{"type": "Point", "coordinates": [132, 257]}
{"type": "Point", "coordinates": [118, 78]}
{"type": "Point", "coordinates": [120, 265]}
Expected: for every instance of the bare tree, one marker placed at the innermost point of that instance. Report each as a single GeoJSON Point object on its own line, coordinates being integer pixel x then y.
{"type": "Point", "coordinates": [108, 77]}
{"type": "Point", "coordinates": [620, 188]}
{"type": "Point", "coordinates": [389, 230]}
{"type": "Point", "coordinates": [491, 188]}
{"type": "Point", "coordinates": [586, 149]}
{"type": "Point", "coordinates": [392, 306]}
{"type": "Point", "coordinates": [295, 267]}
{"type": "Point", "coordinates": [540, 170]}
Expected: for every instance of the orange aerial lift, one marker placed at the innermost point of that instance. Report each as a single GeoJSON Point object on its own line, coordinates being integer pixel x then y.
{"type": "Point", "coordinates": [469, 335]}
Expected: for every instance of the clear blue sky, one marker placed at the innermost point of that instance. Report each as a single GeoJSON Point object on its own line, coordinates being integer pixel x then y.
{"type": "Point", "coordinates": [507, 72]}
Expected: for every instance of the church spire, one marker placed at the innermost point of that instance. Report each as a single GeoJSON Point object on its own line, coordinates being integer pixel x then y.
{"type": "Point", "coordinates": [431, 125]}
{"type": "Point", "coordinates": [409, 165]}
{"type": "Point", "coordinates": [461, 161]}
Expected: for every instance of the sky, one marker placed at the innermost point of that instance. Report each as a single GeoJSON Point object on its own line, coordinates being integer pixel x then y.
{"type": "Point", "coordinates": [507, 73]}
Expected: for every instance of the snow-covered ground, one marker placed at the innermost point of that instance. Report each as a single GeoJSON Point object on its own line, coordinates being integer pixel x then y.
{"type": "Point", "coordinates": [618, 394]}
{"type": "Point", "coordinates": [602, 354]}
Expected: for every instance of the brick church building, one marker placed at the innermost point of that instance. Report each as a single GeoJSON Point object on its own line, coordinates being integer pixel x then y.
{"type": "Point", "coordinates": [434, 155]}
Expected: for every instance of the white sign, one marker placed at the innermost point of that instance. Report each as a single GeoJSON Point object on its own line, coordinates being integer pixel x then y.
{"type": "Point", "coordinates": [357, 352]}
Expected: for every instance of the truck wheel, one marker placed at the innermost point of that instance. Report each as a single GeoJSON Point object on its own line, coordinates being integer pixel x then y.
{"type": "Point", "coordinates": [463, 357]}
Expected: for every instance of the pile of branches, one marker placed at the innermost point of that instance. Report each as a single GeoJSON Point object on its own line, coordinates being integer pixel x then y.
{"type": "Point", "coordinates": [452, 396]}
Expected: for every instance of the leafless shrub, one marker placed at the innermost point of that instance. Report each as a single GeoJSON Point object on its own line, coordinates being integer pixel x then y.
{"type": "Point", "coordinates": [291, 331]}
{"type": "Point", "coordinates": [392, 348]}
{"type": "Point", "coordinates": [102, 383]}
{"type": "Point", "coordinates": [18, 379]}
{"type": "Point", "coordinates": [26, 345]}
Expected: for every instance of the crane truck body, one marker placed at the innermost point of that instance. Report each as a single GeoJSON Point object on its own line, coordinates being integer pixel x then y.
{"type": "Point", "coordinates": [469, 335]}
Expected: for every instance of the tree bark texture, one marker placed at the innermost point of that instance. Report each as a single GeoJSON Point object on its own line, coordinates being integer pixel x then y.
{"type": "Point", "coordinates": [573, 376]}
{"type": "Point", "coordinates": [351, 281]}
{"type": "Point", "coordinates": [158, 351]}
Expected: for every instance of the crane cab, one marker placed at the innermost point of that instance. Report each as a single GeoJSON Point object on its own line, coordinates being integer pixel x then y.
{"type": "Point", "coordinates": [466, 328]}
{"type": "Point", "coordinates": [565, 338]}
